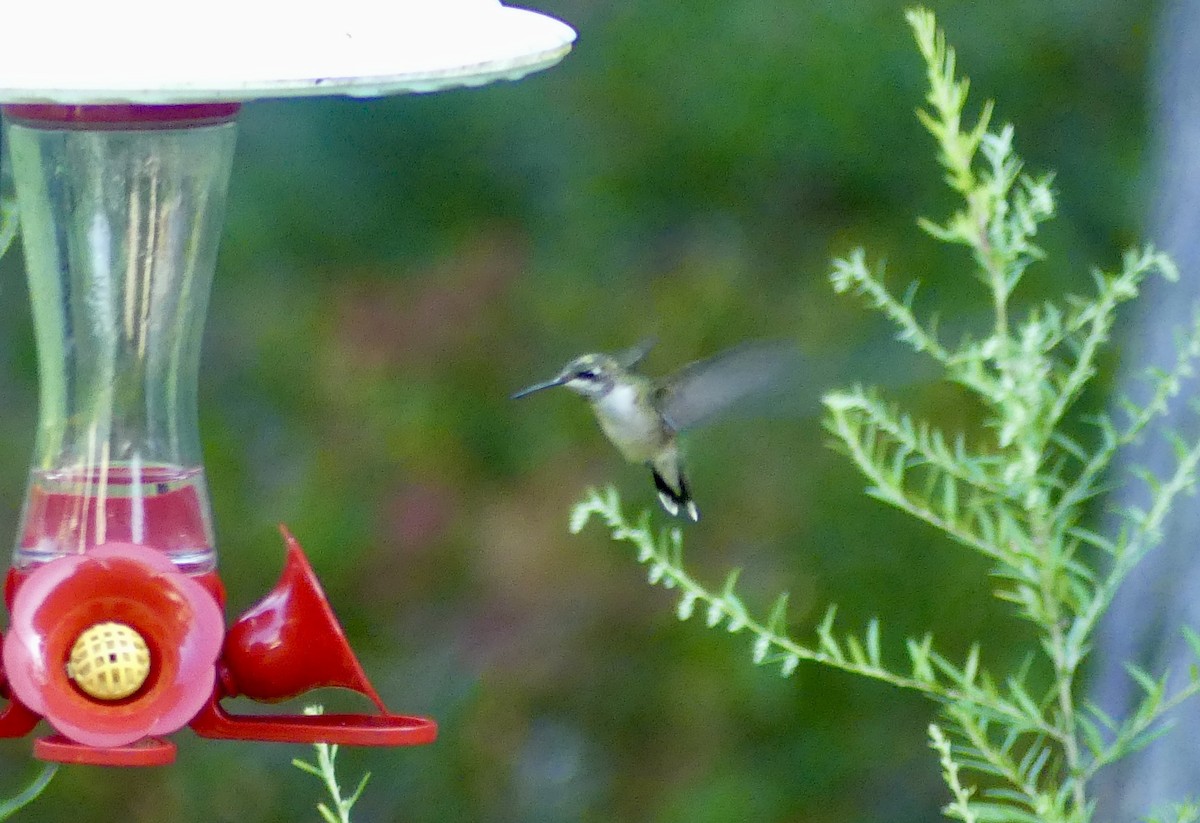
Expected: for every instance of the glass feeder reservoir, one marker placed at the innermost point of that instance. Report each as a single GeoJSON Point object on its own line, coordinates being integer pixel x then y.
{"type": "Point", "coordinates": [120, 229]}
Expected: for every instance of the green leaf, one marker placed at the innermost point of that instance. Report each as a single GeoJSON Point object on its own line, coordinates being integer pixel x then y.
{"type": "Point", "coordinates": [857, 654]}
{"type": "Point", "coordinates": [918, 653]}
{"type": "Point", "coordinates": [825, 629]}
{"type": "Point", "coordinates": [305, 766]}
{"type": "Point", "coordinates": [1033, 762]}
{"type": "Point", "coordinates": [949, 499]}
{"type": "Point", "coordinates": [971, 668]}
{"type": "Point", "coordinates": [760, 648]}
{"type": "Point", "coordinates": [687, 605]}
{"type": "Point", "coordinates": [777, 622]}
{"type": "Point", "coordinates": [829, 645]}
{"type": "Point", "coordinates": [1149, 685]}
{"type": "Point", "coordinates": [790, 662]}
{"type": "Point", "coordinates": [1140, 741]}
{"type": "Point", "coordinates": [1017, 690]}
{"type": "Point", "coordinates": [1091, 736]}
{"type": "Point", "coordinates": [362, 784]}
{"type": "Point", "coordinates": [1192, 639]}
{"type": "Point", "coordinates": [655, 572]}
{"type": "Point", "coordinates": [714, 614]}
{"type": "Point", "coordinates": [730, 582]}
{"type": "Point", "coordinates": [580, 515]}
{"type": "Point", "coordinates": [1100, 715]}
{"type": "Point", "coordinates": [873, 653]}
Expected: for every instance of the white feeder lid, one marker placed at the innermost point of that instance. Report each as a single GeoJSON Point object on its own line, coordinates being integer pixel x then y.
{"type": "Point", "coordinates": [83, 52]}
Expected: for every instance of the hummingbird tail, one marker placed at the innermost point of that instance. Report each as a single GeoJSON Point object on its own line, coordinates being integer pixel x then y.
{"type": "Point", "coordinates": [673, 500]}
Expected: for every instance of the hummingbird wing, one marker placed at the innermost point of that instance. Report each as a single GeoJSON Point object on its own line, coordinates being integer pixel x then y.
{"type": "Point", "coordinates": [706, 389]}
{"type": "Point", "coordinates": [631, 357]}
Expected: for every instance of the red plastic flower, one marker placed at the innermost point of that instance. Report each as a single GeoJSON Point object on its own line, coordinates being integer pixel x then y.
{"type": "Point", "coordinates": [122, 583]}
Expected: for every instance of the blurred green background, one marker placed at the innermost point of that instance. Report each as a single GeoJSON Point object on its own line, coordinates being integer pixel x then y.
{"type": "Point", "coordinates": [391, 270]}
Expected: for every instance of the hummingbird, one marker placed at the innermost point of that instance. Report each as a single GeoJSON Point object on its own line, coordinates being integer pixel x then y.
{"type": "Point", "coordinates": [643, 417]}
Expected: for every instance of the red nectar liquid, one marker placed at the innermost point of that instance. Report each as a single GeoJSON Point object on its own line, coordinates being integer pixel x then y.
{"type": "Point", "coordinates": [162, 507]}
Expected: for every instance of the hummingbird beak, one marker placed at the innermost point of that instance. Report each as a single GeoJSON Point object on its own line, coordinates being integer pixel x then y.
{"type": "Point", "coordinates": [548, 384]}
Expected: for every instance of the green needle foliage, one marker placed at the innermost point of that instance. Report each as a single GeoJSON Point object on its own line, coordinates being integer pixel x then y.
{"type": "Point", "coordinates": [1020, 745]}
{"type": "Point", "coordinates": [325, 770]}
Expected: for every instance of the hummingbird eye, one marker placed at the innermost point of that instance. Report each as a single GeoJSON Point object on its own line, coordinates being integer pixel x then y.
{"type": "Point", "coordinates": [586, 374]}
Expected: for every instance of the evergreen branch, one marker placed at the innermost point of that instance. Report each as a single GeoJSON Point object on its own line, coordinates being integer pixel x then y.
{"type": "Point", "coordinates": [1084, 487]}
{"type": "Point", "coordinates": [960, 807]}
{"type": "Point", "coordinates": [965, 365]}
{"type": "Point", "coordinates": [852, 274]}
{"type": "Point", "coordinates": [918, 441]}
{"type": "Point", "coordinates": [1145, 724]}
{"type": "Point", "coordinates": [947, 96]}
{"type": "Point", "coordinates": [931, 673]}
{"type": "Point", "coordinates": [1025, 800]}
{"type": "Point", "coordinates": [1145, 532]}
{"type": "Point", "coordinates": [1008, 209]}
{"type": "Point", "coordinates": [1164, 386]}
{"type": "Point", "coordinates": [888, 480]}
{"type": "Point", "coordinates": [1097, 318]}
{"type": "Point", "coordinates": [325, 770]}
{"type": "Point", "coordinates": [957, 148]}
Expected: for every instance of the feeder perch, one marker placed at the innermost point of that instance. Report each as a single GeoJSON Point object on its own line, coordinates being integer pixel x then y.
{"type": "Point", "coordinates": [120, 130]}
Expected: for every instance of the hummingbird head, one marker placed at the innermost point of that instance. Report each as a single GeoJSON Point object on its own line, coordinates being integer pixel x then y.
{"type": "Point", "coordinates": [590, 375]}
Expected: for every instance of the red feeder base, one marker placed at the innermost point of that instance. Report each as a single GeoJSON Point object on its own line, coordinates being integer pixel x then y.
{"type": "Point", "coordinates": [284, 645]}
{"type": "Point", "coordinates": [149, 751]}
{"type": "Point", "coordinates": [342, 729]}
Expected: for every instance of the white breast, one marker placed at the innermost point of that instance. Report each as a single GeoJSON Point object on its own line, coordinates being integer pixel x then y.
{"type": "Point", "coordinates": [633, 429]}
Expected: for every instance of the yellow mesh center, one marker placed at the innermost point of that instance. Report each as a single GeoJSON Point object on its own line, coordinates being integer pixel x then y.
{"type": "Point", "coordinates": [109, 661]}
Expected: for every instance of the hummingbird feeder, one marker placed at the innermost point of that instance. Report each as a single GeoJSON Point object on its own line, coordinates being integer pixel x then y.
{"type": "Point", "coordinates": [120, 120]}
